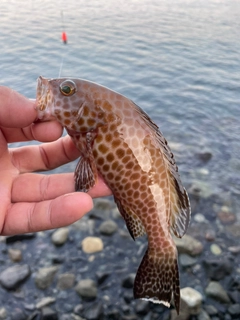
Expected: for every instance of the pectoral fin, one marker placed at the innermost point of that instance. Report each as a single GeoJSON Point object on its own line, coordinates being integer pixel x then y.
{"type": "Point", "coordinates": [133, 223]}
{"type": "Point", "coordinates": [85, 177]}
{"type": "Point", "coordinates": [86, 172]}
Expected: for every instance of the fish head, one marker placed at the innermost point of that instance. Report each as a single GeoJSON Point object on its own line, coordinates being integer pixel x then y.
{"type": "Point", "coordinates": [69, 101]}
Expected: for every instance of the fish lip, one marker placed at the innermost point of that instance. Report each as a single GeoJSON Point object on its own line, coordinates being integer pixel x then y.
{"type": "Point", "coordinates": [42, 105]}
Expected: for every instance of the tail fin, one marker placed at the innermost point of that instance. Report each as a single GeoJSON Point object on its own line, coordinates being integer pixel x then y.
{"type": "Point", "coordinates": [157, 278]}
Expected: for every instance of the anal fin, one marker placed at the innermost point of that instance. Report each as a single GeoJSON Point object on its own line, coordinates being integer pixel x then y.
{"type": "Point", "coordinates": [133, 223]}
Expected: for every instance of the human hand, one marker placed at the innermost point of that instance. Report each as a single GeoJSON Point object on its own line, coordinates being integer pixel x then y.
{"type": "Point", "coordinates": [29, 201]}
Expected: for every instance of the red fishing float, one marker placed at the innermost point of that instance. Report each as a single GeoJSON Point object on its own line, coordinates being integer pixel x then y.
{"type": "Point", "coordinates": [64, 37]}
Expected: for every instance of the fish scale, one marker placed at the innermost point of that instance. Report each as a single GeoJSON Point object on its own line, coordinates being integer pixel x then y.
{"type": "Point", "coordinates": [120, 142]}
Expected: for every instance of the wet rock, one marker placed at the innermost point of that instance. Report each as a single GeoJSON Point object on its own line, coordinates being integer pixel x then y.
{"type": "Point", "coordinates": [215, 249]}
{"type": "Point", "coordinates": [103, 204]}
{"type": "Point", "coordinates": [193, 299]}
{"type": "Point", "coordinates": [78, 309]}
{"type": "Point", "coordinates": [108, 227]}
{"type": "Point", "coordinates": [3, 313]}
{"type": "Point", "coordinates": [183, 314]}
{"type": "Point", "coordinates": [102, 276]}
{"type": "Point", "coordinates": [216, 291]}
{"type": "Point", "coordinates": [204, 156]}
{"type": "Point", "coordinates": [45, 277]}
{"type": "Point", "coordinates": [18, 314]}
{"type": "Point", "coordinates": [36, 315]}
{"type": "Point", "coordinates": [13, 276]}
{"type": "Point", "coordinates": [66, 281]}
{"type": "Point", "coordinates": [128, 281]}
{"type": "Point", "coordinates": [211, 310]}
{"type": "Point", "coordinates": [92, 244]}
{"type": "Point", "coordinates": [186, 260]}
{"type": "Point", "coordinates": [15, 255]}
{"type": "Point", "coordinates": [142, 307]}
{"type": "Point", "coordinates": [60, 236]}
{"type": "Point", "coordinates": [201, 189]}
{"type": "Point", "coordinates": [113, 314]}
{"type": "Point", "coordinates": [49, 314]}
{"type": "Point", "coordinates": [94, 312]}
{"type": "Point", "coordinates": [87, 289]}
{"type": "Point", "coordinates": [203, 315]}
{"type": "Point", "coordinates": [234, 229]}
{"type": "Point", "coordinates": [234, 311]}
{"type": "Point", "coordinates": [188, 245]}
{"type": "Point", "coordinates": [234, 249]}
{"type": "Point", "coordinates": [128, 296]}
{"type": "Point", "coordinates": [45, 302]}
{"type": "Point", "coordinates": [217, 269]}
{"type": "Point", "coordinates": [226, 217]}
{"type": "Point", "coordinates": [210, 235]}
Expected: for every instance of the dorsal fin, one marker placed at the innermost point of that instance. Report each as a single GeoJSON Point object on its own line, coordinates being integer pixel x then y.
{"type": "Point", "coordinates": [180, 205]}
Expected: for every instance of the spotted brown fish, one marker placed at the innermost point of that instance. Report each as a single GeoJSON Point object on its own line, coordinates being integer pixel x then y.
{"type": "Point", "coordinates": [119, 141]}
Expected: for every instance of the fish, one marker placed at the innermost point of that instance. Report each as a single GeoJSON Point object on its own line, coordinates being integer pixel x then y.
{"type": "Point", "coordinates": [118, 141]}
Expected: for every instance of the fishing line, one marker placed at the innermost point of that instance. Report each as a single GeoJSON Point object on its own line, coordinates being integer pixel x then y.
{"type": "Point", "coordinates": [64, 39]}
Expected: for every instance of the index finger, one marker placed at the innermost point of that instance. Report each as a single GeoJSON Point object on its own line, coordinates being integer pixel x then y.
{"type": "Point", "coordinates": [16, 111]}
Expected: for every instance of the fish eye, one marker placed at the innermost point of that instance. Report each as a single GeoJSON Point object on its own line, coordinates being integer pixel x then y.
{"type": "Point", "coordinates": [67, 88]}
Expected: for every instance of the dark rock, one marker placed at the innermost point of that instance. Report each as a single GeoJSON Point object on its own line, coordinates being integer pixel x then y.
{"type": "Point", "coordinates": [128, 296]}
{"type": "Point", "coordinates": [142, 307]}
{"type": "Point", "coordinates": [102, 276]}
{"type": "Point", "coordinates": [234, 283]}
{"type": "Point", "coordinates": [18, 314]}
{"type": "Point", "coordinates": [128, 281]}
{"type": "Point", "coordinates": [57, 259]}
{"type": "Point", "coordinates": [49, 314]}
{"type": "Point", "coordinates": [36, 315]}
{"type": "Point", "coordinates": [217, 269]}
{"type": "Point", "coordinates": [113, 314]}
{"type": "Point", "coordinates": [234, 311]}
{"type": "Point", "coordinates": [204, 156]}
{"type": "Point", "coordinates": [94, 312]}
{"type": "Point", "coordinates": [20, 237]}
{"type": "Point", "coordinates": [13, 276]}
{"type": "Point", "coordinates": [78, 309]}
{"type": "Point", "coordinates": [234, 296]}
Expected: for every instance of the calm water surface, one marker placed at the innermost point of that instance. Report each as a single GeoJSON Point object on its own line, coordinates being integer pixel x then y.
{"type": "Point", "coordinates": [178, 60]}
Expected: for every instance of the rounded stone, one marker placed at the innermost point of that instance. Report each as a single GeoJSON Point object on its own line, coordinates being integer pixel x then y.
{"type": "Point", "coordinates": [45, 302]}
{"type": "Point", "coordinates": [15, 254]}
{"type": "Point", "coordinates": [60, 236]}
{"type": "Point", "coordinates": [193, 299]}
{"type": "Point", "coordinates": [87, 288]}
{"type": "Point", "coordinates": [188, 245]}
{"type": "Point", "coordinates": [45, 276]}
{"type": "Point", "coordinates": [216, 291]}
{"type": "Point", "coordinates": [3, 313]}
{"type": "Point", "coordinates": [66, 281]}
{"type": "Point", "coordinates": [108, 227]}
{"type": "Point", "coordinates": [215, 249]}
{"type": "Point", "coordinates": [92, 244]}
{"type": "Point", "coordinates": [11, 277]}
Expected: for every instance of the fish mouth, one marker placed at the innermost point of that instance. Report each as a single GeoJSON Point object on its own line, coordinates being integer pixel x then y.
{"type": "Point", "coordinates": [44, 99]}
